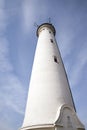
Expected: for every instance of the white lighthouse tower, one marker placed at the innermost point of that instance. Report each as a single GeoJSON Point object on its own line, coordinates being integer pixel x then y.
{"type": "Point", "coordinates": [50, 104]}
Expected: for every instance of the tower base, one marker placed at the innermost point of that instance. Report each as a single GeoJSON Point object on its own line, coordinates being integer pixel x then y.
{"type": "Point", "coordinates": [66, 120]}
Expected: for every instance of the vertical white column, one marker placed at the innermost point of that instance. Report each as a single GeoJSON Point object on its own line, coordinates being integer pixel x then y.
{"type": "Point", "coordinates": [49, 87]}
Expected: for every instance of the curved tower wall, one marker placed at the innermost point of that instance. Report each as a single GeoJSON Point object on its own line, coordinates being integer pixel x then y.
{"type": "Point", "coordinates": [49, 89]}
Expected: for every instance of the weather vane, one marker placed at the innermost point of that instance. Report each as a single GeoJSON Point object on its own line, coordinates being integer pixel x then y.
{"type": "Point", "coordinates": [35, 24]}
{"type": "Point", "coordinates": [49, 20]}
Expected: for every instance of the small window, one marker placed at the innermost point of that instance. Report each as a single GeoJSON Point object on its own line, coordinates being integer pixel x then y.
{"type": "Point", "coordinates": [68, 117]}
{"type": "Point", "coordinates": [55, 59]}
{"type": "Point", "coordinates": [51, 40]}
{"type": "Point", "coordinates": [69, 123]}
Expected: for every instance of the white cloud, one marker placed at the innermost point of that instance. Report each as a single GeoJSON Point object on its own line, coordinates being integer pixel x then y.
{"type": "Point", "coordinates": [78, 66]}
{"type": "Point", "coordinates": [28, 15]}
{"type": "Point", "coordinates": [13, 96]}
{"type": "Point", "coordinates": [5, 65]}
{"type": "Point", "coordinates": [65, 43]}
{"type": "Point", "coordinates": [16, 99]}
{"type": "Point", "coordinates": [32, 12]}
{"type": "Point", "coordinates": [4, 46]}
{"type": "Point", "coordinates": [12, 90]}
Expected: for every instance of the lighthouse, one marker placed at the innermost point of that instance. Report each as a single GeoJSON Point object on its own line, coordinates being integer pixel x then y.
{"type": "Point", "coordinates": [50, 104]}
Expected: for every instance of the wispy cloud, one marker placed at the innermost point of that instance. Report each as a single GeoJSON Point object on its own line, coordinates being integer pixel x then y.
{"type": "Point", "coordinates": [13, 98]}
{"type": "Point", "coordinates": [78, 66]}
{"type": "Point", "coordinates": [28, 15]}
{"type": "Point", "coordinates": [5, 65]}
{"type": "Point", "coordinates": [65, 43]}
{"type": "Point", "coordinates": [11, 88]}
{"type": "Point", "coordinates": [32, 12]}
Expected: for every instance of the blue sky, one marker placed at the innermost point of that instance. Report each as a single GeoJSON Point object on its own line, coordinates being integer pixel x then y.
{"type": "Point", "coordinates": [17, 46]}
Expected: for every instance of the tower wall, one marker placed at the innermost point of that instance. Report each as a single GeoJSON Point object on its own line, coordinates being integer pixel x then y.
{"type": "Point", "coordinates": [49, 89]}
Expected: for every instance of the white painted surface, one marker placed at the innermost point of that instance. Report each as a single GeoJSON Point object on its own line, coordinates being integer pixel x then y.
{"type": "Point", "coordinates": [49, 88]}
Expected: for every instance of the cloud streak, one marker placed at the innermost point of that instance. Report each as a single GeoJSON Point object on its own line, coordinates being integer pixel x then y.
{"type": "Point", "coordinates": [5, 65]}
{"type": "Point", "coordinates": [76, 72]}
{"type": "Point", "coordinates": [32, 12]}
{"type": "Point", "coordinates": [11, 88]}
{"type": "Point", "coordinates": [28, 15]}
